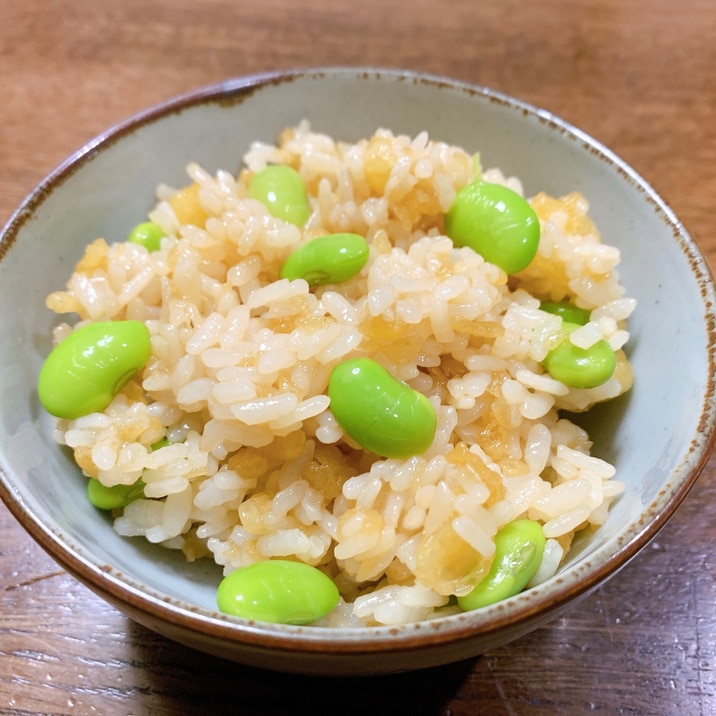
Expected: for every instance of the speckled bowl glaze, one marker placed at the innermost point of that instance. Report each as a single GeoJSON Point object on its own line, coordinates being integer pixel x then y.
{"type": "Point", "coordinates": [659, 436]}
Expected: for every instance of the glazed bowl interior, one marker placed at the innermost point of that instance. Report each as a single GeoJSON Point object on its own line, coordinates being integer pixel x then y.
{"type": "Point", "coordinates": [658, 436]}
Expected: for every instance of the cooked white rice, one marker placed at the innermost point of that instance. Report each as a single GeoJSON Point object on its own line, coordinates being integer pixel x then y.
{"type": "Point", "coordinates": [258, 468]}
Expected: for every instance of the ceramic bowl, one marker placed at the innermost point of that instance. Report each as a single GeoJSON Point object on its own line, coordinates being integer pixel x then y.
{"type": "Point", "coordinates": [658, 436]}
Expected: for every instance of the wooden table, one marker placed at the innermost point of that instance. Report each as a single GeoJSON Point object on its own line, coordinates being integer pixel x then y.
{"type": "Point", "coordinates": [639, 75]}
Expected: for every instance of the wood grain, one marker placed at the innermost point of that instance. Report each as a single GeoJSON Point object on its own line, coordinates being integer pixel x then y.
{"type": "Point", "coordinates": [636, 74]}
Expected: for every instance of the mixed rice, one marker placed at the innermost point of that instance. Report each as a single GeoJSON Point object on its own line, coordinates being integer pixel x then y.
{"type": "Point", "coordinates": [253, 465]}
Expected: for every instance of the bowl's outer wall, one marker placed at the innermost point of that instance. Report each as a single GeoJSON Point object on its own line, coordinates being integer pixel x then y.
{"type": "Point", "coordinates": [658, 436]}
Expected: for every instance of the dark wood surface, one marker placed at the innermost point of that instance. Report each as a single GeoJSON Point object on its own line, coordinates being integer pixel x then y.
{"type": "Point", "coordinates": [639, 75]}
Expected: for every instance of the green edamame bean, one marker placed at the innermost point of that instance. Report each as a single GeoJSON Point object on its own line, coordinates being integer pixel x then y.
{"type": "Point", "coordinates": [567, 311]}
{"type": "Point", "coordinates": [110, 498]}
{"type": "Point", "coordinates": [282, 191]}
{"type": "Point", "coordinates": [380, 413]}
{"type": "Point", "coordinates": [278, 591]}
{"type": "Point", "coordinates": [148, 234]}
{"type": "Point", "coordinates": [519, 547]}
{"type": "Point", "coordinates": [496, 222]}
{"type": "Point", "coordinates": [327, 259]}
{"type": "Point", "coordinates": [580, 367]}
{"type": "Point", "coordinates": [84, 372]}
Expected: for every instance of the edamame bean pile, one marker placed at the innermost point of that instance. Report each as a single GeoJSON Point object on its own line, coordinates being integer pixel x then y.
{"type": "Point", "coordinates": [341, 371]}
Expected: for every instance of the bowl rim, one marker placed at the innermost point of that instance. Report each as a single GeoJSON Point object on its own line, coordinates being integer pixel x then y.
{"type": "Point", "coordinates": [140, 603]}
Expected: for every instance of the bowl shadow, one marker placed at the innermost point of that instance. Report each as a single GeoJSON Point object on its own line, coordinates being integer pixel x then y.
{"type": "Point", "coordinates": [184, 681]}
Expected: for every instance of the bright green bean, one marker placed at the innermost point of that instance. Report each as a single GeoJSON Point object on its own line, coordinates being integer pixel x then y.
{"type": "Point", "coordinates": [496, 222]}
{"type": "Point", "coordinates": [380, 413]}
{"type": "Point", "coordinates": [281, 190]}
{"type": "Point", "coordinates": [148, 234]}
{"type": "Point", "coordinates": [567, 311]}
{"type": "Point", "coordinates": [85, 371]}
{"type": "Point", "coordinates": [519, 547]}
{"type": "Point", "coordinates": [111, 498]}
{"type": "Point", "coordinates": [580, 367]}
{"type": "Point", "coordinates": [278, 591]}
{"type": "Point", "coordinates": [328, 259]}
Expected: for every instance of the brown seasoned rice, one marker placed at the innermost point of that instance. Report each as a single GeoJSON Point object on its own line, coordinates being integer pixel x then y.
{"type": "Point", "coordinates": [257, 467]}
